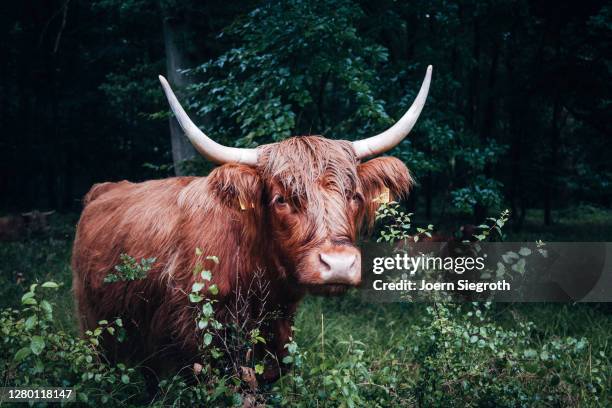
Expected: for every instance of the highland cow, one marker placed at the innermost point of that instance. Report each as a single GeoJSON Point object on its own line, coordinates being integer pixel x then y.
{"type": "Point", "coordinates": [292, 210]}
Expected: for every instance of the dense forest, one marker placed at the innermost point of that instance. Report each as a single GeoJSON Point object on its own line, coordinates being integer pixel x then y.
{"type": "Point", "coordinates": [518, 115]}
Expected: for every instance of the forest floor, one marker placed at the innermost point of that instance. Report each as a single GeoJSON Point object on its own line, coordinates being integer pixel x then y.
{"type": "Point", "coordinates": [326, 325]}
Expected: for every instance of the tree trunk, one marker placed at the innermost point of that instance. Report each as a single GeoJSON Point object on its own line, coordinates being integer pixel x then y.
{"type": "Point", "coordinates": [181, 147]}
{"type": "Point", "coordinates": [555, 134]}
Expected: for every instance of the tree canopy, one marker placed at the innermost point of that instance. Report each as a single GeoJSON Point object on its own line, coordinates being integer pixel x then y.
{"type": "Point", "coordinates": [517, 115]}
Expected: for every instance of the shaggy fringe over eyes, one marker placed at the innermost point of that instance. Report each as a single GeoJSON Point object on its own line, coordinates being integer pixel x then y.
{"type": "Point", "coordinates": [380, 173]}
{"type": "Point", "coordinates": [299, 164]}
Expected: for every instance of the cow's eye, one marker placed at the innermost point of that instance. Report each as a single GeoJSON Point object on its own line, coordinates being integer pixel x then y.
{"type": "Point", "coordinates": [357, 198]}
{"type": "Point", "coordinates": [279, 201]}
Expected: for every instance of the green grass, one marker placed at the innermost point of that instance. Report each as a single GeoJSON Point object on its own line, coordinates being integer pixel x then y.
{"type": "Point", "coordinates": [327, 328]}
{"type": "Point", "coordinates": [583, 223]}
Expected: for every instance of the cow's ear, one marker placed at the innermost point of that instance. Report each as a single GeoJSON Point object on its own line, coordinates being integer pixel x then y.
{"type": "Point", "coordinates": [383, 179]}
{"type": "Point", "coordinates": [238, 186]}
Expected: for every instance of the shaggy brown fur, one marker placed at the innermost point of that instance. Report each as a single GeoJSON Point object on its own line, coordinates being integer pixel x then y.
{"type": "Point", "coordinates": [305, 193]}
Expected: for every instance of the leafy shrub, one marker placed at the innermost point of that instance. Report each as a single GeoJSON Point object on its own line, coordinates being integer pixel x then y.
{"type": "Point", "coordinates": [228, 366]}
{"type": "Point", "coordinates": [396, 224]}
{"type": "Point", "coordinates": [466, 359]}
{"type": "Point", "coordinates": [316, 376]}
{"type": "Point", "coordinates": [35, 351]}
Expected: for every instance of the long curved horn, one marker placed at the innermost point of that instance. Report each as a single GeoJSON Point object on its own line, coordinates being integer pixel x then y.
{"type": "Point", "coordinates": [391, 137]}
{"type": "Point", "coordinates": [207, 147]}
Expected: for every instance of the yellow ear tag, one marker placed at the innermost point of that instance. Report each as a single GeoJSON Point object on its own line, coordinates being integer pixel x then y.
{"type": "Point", "coordinates": [384, 197]}
{"type": "Point", "coordinates": [243, 206]}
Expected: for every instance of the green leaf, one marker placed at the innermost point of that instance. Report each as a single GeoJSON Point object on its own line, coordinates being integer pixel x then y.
{"type": "Point", "coordinates": [26, 296]}
{"type": "Point", "coordinates": [214, 259]}
{"type": "Point", "coordinates": [530, 353]}
{"type": "Point", "coordinates": [213, 289]}
{"type": "Point", "coordinates": [236, 399]}
{"type": "Point", "coordinates": [195, 298]}
{"type": "Point", "coordinates": [30, 322]}
{"type": "Point", "coordinates": [509, 256]}
{"type": "Point", "coordinates": [207, 309]}
{"type": "Point", "coordinates": [216, 353]}
{"type": "Point", "coordinates": [50, 284]}
{"type": "Point", "coordinates": [524, 251]}
{"type": "Point", "coordinates": [22, 353]}
{"type": "Point", "coordinates": [501, 269]}
{"type": "Point", "coordinates": [37, 345]}
{"type": "Point", "coordinates": [125, 379]}
{"type": "Point", "coordinates": [39, 367]}
{"type": "Point", "coordinates": [198, 286]}
{"type": "Point", "coordinates": [207, 339]}
{"type": "Point", "coordinates": [259, 368]}
{"type": "Point", "coordinates": [46, 306]}
{"type": "Point", "coordinates": [519, 266]}
{"type": "Point", "coordinates": [206, 275]}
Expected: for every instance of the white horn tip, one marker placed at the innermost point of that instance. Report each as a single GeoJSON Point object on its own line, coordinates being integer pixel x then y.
{"type": "Point", "coordinates": [162, 79]}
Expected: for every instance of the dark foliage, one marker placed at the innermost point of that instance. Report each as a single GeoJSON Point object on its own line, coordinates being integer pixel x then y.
{"type": "Point", "coordinates": [517, 115]}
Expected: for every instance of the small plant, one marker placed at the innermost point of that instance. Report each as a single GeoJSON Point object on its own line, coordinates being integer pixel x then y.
{"type": "Point", "coordinates": [397, 224]}
{"type": "Point", "coordinates": [130, 269]}
{"type": "Point", "coordinates": [492, 227]}
{"type": "Point", "coordinates": [228, 362]}
{"type": "Point", "coordinates": [341, 381]}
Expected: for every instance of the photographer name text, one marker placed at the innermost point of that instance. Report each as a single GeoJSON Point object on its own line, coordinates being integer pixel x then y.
{"type": "Point", "coordinates": [425, 286]}
{"type": "Point", "coordinates": [411, 265]}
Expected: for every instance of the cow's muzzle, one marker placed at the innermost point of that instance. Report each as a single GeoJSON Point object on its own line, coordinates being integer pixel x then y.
{"type": "Point", "coordinates": [340, 265]}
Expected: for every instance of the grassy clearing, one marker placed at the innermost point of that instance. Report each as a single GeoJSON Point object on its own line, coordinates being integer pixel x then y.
{"type": "Point", "coordinates": [389, 354]}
